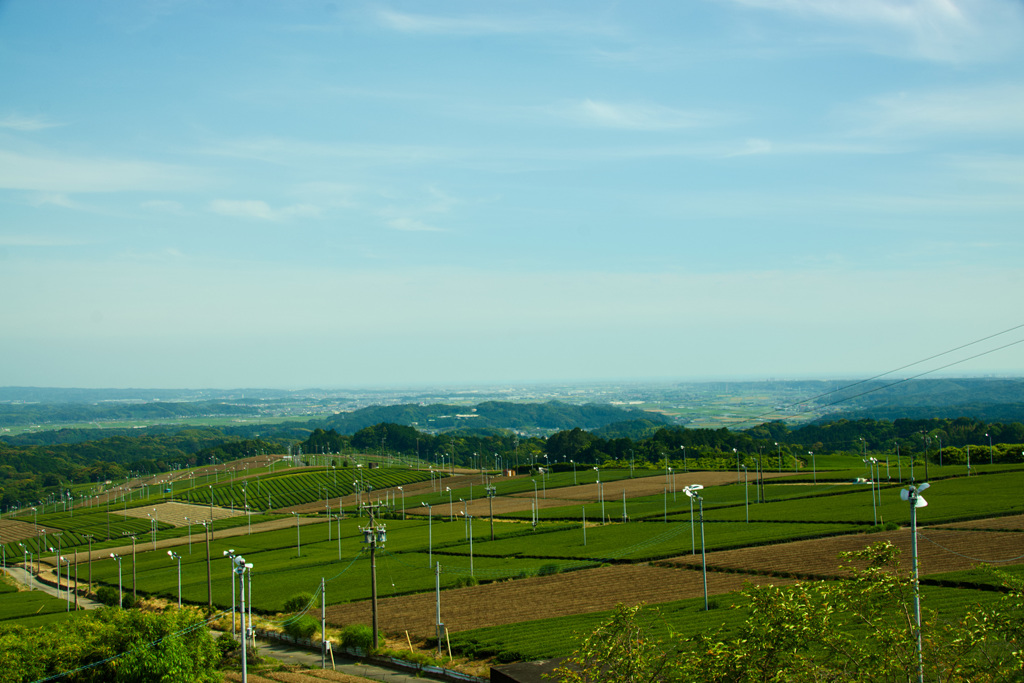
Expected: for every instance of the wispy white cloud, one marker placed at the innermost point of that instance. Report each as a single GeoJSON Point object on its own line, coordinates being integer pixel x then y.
{"type": "Point", "coordinates": [26, 123]}
{"type": "Point", "coordinates": [260, 210]}
{"type": "Point", "coordinates": [472, 25]}
{"type": "Point", "coordinates": [60, 173]}
{"type": "Point", "coordinates": [980, 111]}
{"type": "Point", "coordinates": [411, 225]}
{"type": "Point", "coordinates": [941, 30]}
{"type": "Point", "coordinates": [631, 116]}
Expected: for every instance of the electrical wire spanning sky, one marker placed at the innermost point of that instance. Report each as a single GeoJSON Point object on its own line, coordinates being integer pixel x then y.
{"type": "Point", "coordinates": [296, 194]}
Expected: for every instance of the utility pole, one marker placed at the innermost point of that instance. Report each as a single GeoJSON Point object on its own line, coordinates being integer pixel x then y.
{"type": "Point", "coordinates": [491, 490]}
{"type": "Point", "coordinates": [373, 535]}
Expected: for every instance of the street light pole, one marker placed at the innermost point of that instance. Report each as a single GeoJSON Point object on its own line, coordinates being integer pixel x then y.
{"type": "Point", "coordinates": [430, 533]}
{"type": "Point", "coordinates": [120, 598]}
{"type": "Point", "coordinates": [175, 556]}
{"type": "Point", "coordinates": [230, 554]}
{"type": "Point", "coordinates": [691, 492]}
{"type": "Point", "coordinates": [491, 491]}
{"type": "Point", "coordinates": [912, 494]}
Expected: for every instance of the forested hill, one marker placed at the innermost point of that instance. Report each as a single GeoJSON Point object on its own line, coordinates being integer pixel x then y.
{"type": "Point", "coordinates": [490, 415]}
{"type": "Point", "coordinates": [985, 399]}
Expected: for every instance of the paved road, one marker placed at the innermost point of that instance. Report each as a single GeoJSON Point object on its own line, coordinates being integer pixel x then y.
{"type": "Point", "coordinates": [288, 655]}
{"type": "Point", "coordinates": [25, 578]}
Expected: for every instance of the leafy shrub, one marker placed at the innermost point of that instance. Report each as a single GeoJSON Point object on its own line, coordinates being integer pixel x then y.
{"type": "Point", "coordinates": [298, 602]}
{"type": "Point", "coordinates": [548, 570]}
{"type": "Point", "coordinates": [107, 595]}
{"type": "Point", "coordinates": [226, 644]}
{"type": "Point", "coordinates": [359, 635]}
{"type": "Point", "coordinates": [303, 627]}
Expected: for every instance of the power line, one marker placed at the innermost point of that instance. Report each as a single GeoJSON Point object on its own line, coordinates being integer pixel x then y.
{"type": "Point", "coordinates": [889, 372]}
{"type": "Point", "coordinates": [910, 365]}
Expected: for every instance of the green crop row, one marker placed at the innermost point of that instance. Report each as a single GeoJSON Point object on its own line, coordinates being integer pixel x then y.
{"type": "Point", "coordinates": [299, 486]}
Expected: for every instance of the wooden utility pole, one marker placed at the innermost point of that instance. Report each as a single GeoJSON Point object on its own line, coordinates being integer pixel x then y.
{"type": "Point", "coordinates": [373, 535]}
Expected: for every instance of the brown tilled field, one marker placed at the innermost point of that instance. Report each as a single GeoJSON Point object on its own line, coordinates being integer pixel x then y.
{"type": "Point", "coordinates": [939, 550]}
{"type": "Point", "coordinates": [175, 513]}
{"type": "Point", "coordinates": [1010, 523]}
{"type": "Point", "coordinates": [508, 602]}
{"type": "Point", "coordinates": [14, 530]}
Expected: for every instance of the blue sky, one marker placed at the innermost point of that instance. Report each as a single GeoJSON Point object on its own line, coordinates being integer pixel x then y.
{"type": "Point", "coordinates": [296, 194]}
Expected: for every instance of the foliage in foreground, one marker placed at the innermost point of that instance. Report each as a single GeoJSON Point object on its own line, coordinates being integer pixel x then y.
{"type": "Point", "coordinates": [112, 645]}
{"type": "Point", "coordinates": [861, 629]}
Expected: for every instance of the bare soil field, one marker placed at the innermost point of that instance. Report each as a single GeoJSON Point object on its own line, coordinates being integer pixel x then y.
{"type": "Point", "coordinates": [1010, 523]}
{"type": "Point", "coordinates": [14, 530]}
{"type": "Point", "coordinates": [508, 602]}
{"type": "Point", "coordinates": [175, 513]}
{"type": "Point", "coordinates": [939, 550]}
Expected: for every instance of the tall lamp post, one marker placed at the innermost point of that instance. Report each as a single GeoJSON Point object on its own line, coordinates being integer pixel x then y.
{"type": "Point", "coordinates": [871, 462]}
{"type": "Point", "coordinates": [298, 536]}
{"type": "Point", "coordinates": [430, 533]}
{"type": "Point", "coordinates": [175, 556]}
{"type": "Point", "coordinates": [230, 554]}
{"type": "Point", "coordinates": [912, 494]}
{"type": "Point", "coordinates": [67, 563]}
{"type": "Point", "coordinates": [491, 492]}
{"type": "Point", "coordinates": [120, 598]}
{"type": "Point", "coordinates": [691, 492]}
{"type": "Point", "coordinates": [207, 532]}
{"type": "Point", "coordinates": [239, 570]}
